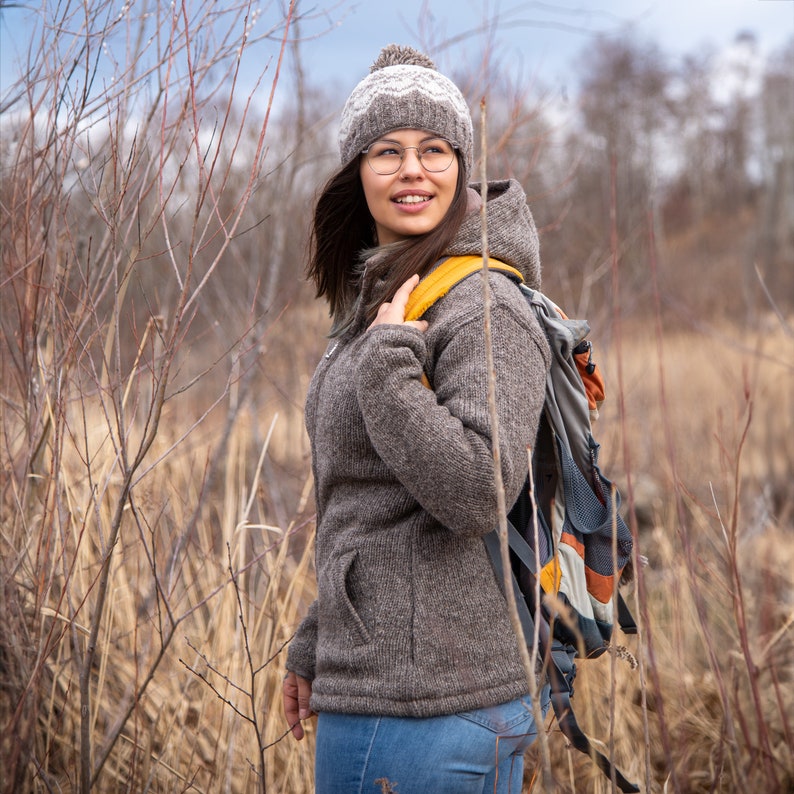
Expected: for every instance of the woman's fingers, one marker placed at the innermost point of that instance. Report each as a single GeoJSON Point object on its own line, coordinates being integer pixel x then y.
{"type": "Point", "coordinates": [401, 296]}
{"type": "Point", "coordinates": [420, 324]}
{"type": "Point", "coordinates": [296, 693]}
{"type": "Point", "coordinates": [304, 696]}
{"type": "Point", "coordinates": [393, 312]}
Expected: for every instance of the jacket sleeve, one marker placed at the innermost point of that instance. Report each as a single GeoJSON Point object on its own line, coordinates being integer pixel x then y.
{"type": "Point", "coordinates": [438, 442]}
{"type": "Point", "coordinates": [302, 650]}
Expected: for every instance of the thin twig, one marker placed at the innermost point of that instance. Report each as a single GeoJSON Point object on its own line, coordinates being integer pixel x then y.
{"type": "Point", "coordinates": [523, 649]}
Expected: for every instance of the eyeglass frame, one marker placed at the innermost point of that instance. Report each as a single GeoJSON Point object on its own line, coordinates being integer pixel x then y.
{"type": "Point", "coordinates": [404, 149]}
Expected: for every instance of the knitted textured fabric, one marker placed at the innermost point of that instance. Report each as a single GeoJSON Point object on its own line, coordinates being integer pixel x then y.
{"type": "Point", "coordinates": [410, 619]}
{"type": "Point", "coordinates": [405, 91]}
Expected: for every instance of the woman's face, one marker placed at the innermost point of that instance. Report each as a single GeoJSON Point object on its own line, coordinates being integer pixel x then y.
{"type": "Point", "coordinates": [412, 200]}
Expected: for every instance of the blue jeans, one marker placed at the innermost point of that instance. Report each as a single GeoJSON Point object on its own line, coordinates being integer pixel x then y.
{"type": "Point", "coordinates": [474, 752]}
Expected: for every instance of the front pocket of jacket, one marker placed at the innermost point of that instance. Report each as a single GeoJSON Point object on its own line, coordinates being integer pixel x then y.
{"type": "Point", "coordinates": [344, 588]}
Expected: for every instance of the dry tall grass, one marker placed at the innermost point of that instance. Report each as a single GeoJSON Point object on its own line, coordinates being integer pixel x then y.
{"type": "Point", "coordinates": [719, 694]}
{"type": "Point", "coordinates": [156, 527]}
{"type": "Point", "coordinates": [707, 433]}
{"type": "Point", "coordinates": [228, 584]}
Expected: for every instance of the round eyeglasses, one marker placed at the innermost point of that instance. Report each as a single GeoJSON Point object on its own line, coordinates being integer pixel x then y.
{"type": "Point", "coordinates": [386, 157]}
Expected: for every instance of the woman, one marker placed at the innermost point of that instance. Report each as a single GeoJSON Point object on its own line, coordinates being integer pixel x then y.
{"type": "Point", "coordinates": [408, 655]}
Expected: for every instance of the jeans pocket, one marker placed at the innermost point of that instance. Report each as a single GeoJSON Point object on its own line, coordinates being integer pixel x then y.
{"type": "Point", "coordinates": [505, 717]}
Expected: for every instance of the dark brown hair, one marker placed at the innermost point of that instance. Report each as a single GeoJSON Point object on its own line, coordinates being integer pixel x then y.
{"type": "Point", "coordinates": [343, 230]}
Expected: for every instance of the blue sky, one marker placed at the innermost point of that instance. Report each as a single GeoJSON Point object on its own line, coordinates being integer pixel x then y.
{"type": "Point", "coordinates": [543, 36]}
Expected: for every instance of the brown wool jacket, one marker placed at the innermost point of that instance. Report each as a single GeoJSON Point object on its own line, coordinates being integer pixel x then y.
{"type": "Point", "coordinates": [409, 618]}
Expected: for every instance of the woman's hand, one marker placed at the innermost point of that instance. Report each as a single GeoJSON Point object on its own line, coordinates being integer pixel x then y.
{"type": "Point", "coordinates": [296, 692]}
{"type": "Point", "coordinates": [393, 312]}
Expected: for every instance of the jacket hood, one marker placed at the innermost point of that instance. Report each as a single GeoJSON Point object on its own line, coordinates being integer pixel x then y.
{"type": "Point", "coordinates": [512, 236]}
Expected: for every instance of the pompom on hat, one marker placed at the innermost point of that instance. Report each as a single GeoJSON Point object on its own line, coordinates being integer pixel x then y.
{"type": "Point", "coordinates": [404, 90]}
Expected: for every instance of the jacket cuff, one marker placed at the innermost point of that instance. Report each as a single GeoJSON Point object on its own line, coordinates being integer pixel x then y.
{"type": "Point", "coordinates": [302, 651]}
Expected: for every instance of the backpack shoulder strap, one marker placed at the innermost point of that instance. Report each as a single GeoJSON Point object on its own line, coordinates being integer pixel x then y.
{"type": "Point", "coordinates": [440, 281]}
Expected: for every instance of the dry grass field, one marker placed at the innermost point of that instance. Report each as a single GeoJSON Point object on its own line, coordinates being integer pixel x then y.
{"type": "Point", "coordinates": [211, 574]}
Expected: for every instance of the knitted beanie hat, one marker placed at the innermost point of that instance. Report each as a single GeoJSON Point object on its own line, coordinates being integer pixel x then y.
{"type": "Point", "coordinates": [405, 91]}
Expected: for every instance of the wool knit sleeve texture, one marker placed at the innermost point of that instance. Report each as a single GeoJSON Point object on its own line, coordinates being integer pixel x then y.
{"type": "Point", "coordinates": [301, 655]}
{"type": "Point", "coordinates": [438, 441]}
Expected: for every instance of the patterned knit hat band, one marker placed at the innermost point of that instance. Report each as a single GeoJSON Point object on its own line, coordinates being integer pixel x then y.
{"type": "Point", "coordinates": [409, 94]}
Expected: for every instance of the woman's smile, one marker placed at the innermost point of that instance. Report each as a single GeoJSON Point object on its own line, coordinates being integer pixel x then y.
{"type": "Point", "coordinates": [412, 198]}
{"type": "Point", "coordinates": [412, 201]}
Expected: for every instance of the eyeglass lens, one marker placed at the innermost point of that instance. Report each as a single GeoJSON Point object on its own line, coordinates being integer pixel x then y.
{"type": "Point", "coordinates": [386, 157]}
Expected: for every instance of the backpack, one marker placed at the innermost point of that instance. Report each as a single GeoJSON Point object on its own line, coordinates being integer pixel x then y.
{"type": "Point", "coordinates": [569, 529]}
